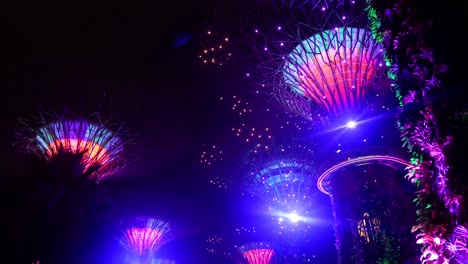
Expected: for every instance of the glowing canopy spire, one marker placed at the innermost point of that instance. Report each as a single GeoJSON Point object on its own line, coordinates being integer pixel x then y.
{"type": "Point", "coordinates": [257, 253]}
{"type": "Point", "coordinates": [334, 68]}
{"type": "Point", "coordinates": [102, 149]}
{"type": "Point", "coordinates": [144, 238]}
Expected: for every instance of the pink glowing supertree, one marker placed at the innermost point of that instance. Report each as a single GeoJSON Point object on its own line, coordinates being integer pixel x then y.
{"type": "Point", "coordinates": [143, 237]}
{"type": "Point", "coordinates": [97, 144]}
{"type": "Point", "coordinates": [257, 253]}
{"type": "Point", "coordinates": [316, 59]}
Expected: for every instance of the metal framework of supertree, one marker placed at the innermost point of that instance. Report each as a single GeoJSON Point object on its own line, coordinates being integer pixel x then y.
{"type": "Point", "coordinates": [143, 237]}
{"type": "Point", "coordinates": [370, 204]}
{"type": "Point", "coordinates": [283, 178]}
{"type": "Point", "coordinates": [98, 143]}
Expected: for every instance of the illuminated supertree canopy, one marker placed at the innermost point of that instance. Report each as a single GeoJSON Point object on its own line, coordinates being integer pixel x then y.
{"type": "Point", "coordinates": [283, 178]}
{"type": "Point", "coordinates": [101, 148]}
{"type": "Point", "coordinates": [334, 68]}
{"type": "Point", "coordinates": [143, 237]}
{"type": "Point", "coordinates": [257, 253]}
{"type": "Point", "coordinates": [316, 59]}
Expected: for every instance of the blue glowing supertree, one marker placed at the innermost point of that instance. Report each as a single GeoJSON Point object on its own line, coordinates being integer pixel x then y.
{"type": "Point", "coordinates": [283, 178]}
{"type": "Point", "coordinates": [142, 237]}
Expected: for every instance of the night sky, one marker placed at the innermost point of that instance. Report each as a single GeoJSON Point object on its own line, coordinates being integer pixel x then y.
{"type": "Point", "coordinates": [135, 62]}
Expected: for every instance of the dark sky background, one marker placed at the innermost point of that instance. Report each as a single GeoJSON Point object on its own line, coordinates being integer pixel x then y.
{"type": "Point", "coordinates": [129, 60]}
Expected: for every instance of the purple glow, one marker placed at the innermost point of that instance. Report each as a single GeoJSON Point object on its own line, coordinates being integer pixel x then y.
{"type": "Point", "coordinates": [143, 238]}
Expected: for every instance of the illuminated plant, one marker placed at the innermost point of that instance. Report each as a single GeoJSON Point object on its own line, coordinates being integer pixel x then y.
{"type": "Point", "coordinates": [143, 237]}
{"type": "Point", "coordinates": [98, 144]}
{"type": "Point", "coordinates": [418, 75]}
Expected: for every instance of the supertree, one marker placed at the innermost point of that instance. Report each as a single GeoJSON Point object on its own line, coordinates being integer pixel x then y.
{"type": "Point", "coordinates": [318, 59]}
{"type": "Point", "coordinates": [371, 205]}
{"type": "Point", "coordinates": [97, 145]}
{"type": "Point", "coordinates": [142, 237]}
{"type": "Point", "coordinates": [282, 176]}
{"type": "Point", "coordinates": [257, 253]}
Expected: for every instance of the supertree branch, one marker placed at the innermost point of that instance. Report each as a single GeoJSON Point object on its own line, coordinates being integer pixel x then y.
{"type": "Point", "coordinates": [417, 74]}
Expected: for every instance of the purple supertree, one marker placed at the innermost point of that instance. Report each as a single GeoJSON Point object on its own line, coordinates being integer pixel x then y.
{"type": "Point", "coordinates": [143, 237]}
{"type": "Point", "coordinates": [97, 144]}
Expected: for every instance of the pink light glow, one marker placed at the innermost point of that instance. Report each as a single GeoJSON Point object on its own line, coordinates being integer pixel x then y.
{"type": "Point", "coordinates": [334, 68]}
{"type": "Point", "coordinates": [93, 153]}
{"type": "Point", "coordinates": [355, 74]}
{"type": "Point", "coordinates": [328, 173]}
{"type": "Point", "coordinates": [144, 239]}
{"type": "Point", "coordinates": [259, 256]}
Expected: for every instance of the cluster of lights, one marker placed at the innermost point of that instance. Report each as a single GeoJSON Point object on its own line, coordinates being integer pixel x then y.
{"type": "Point", "coordinates": [217, 50]}
{"type": "Point", "coordinates": [215, 245]}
